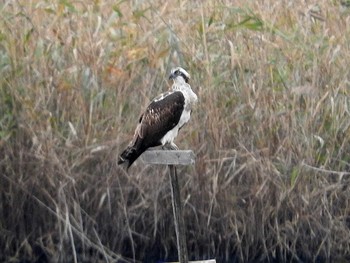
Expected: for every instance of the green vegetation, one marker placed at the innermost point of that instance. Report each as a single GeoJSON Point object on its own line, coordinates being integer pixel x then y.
{"type": "Point", "coordinates": [271, 132]}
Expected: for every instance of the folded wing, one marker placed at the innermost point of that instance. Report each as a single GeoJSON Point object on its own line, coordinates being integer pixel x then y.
{"type": "Point", "coordinates": [161, 116]}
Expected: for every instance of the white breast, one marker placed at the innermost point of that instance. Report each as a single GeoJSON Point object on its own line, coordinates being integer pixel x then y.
{"type": "Point", "coordinates": [185, 117]}
{"type": "Point", "coordinates": [190, 100]}
{"type": "Point", "coordinates": [170, 136]}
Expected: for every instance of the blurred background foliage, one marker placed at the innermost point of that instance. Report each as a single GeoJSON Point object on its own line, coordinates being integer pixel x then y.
{"type": "Point", "coordinates": [271, 131]}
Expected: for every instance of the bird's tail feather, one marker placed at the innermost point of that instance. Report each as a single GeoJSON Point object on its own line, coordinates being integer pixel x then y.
{"type": "Point", "coordinates": [128, 156]}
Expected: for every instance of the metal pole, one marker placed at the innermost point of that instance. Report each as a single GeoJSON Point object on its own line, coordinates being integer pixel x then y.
{"type": "Point", "coordinates": [178, 216]}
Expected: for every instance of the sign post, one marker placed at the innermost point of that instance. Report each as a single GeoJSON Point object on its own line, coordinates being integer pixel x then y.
{"type": "Point", "coordinates": [172, 158]}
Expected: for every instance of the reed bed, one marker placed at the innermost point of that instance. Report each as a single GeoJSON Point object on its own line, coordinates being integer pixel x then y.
{"type": "Point", "coordinates": [271, 130]}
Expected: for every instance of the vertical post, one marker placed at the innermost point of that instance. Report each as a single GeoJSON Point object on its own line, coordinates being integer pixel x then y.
{"type": "Point", "coordinates": [178, 216]}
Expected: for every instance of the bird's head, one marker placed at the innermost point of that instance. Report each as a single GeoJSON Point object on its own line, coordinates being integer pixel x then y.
{"type": "Point", "coordinates": [177, 74]}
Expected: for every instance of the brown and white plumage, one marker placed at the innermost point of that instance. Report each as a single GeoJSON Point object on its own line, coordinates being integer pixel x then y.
{"type": "Point", "coordinates": [163, 118]}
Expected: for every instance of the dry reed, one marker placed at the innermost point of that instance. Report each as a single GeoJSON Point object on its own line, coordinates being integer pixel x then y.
{"type": "Point", "coordinates": [271, 131]}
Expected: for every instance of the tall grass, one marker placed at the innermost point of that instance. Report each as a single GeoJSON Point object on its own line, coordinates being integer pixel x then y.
{"type": "Point", "coordinates": [271, 131]}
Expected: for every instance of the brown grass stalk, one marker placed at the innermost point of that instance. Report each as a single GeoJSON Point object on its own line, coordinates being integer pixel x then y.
{"type": "Point", "coordinates": [270, 132]}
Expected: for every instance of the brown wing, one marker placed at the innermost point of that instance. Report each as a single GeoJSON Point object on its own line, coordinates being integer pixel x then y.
{"type": "Point", "coordinates": [160, 116]}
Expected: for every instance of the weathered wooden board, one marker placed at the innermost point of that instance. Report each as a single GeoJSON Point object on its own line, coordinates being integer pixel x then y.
{"type": "Point", "coordinates": [169, 157]}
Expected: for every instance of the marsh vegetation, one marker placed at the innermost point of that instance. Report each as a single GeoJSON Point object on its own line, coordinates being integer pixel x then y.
{"type": "Point", "coordinates": [271, 130]}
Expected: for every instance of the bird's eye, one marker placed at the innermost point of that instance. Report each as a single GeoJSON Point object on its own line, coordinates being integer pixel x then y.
{"type": "Point", "coordinates": [177, 72]}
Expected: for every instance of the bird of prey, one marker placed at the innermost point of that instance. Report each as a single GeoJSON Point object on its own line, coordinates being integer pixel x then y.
{"type": "Point", "coordinates": [163, 118]}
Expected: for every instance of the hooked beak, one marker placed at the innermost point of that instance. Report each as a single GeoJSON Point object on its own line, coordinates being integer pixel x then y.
{"type": "Point", "coordinates": [172, 76]}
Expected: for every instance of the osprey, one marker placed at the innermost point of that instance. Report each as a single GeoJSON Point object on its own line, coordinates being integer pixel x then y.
{"type": "Point", "coordinates": [163, 118]}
